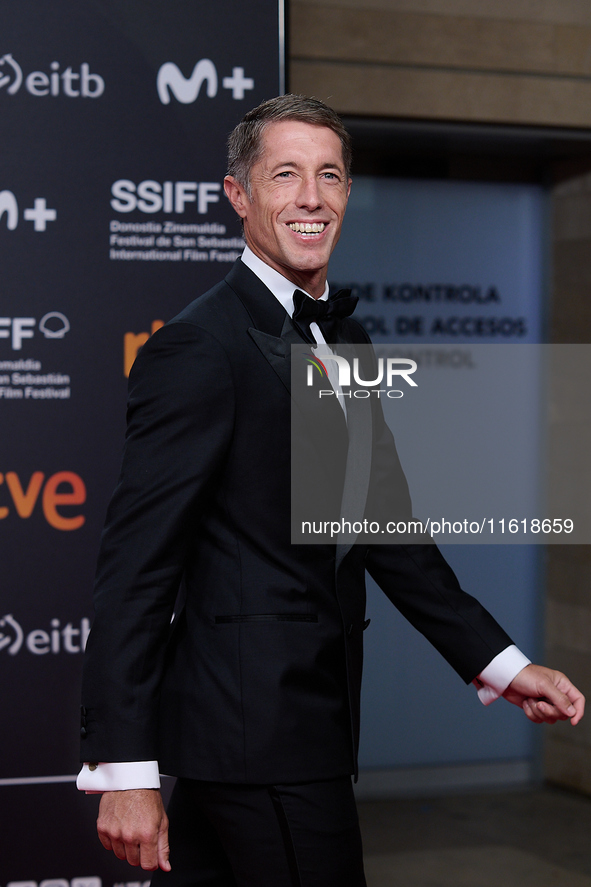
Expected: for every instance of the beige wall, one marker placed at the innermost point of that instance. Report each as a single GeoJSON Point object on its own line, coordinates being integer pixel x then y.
{"type": "Point", "coordinates": [494, 61]}
{"type": "Point", "coordinates": [499, 61]}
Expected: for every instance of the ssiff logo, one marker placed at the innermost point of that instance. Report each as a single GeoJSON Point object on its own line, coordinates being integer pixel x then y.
{"type": "Point", "coordinates": [152, 197]}
{"type": "Point", "coordinates": [53, 325]}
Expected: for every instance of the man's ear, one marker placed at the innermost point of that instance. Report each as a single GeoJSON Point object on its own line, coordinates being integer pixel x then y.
{"type": "Point", "coordinates": [237, 195]}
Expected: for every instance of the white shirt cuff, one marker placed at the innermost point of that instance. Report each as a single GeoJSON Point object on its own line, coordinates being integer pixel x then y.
{"type": "Point", "coordinates": [112, 777]}
{"type": "Point", "coordinates": [498, 674]}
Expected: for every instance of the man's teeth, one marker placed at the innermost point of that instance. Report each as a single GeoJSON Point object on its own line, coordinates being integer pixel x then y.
{"type": "Point", "coordinates": [308, 227]}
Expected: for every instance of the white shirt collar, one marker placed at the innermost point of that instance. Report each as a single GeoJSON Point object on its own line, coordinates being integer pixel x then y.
{"type": "Point", "coordinates": [282, 288]}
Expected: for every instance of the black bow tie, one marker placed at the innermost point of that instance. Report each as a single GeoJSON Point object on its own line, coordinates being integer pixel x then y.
{"type": "Point", "coordinates": [325, 312]}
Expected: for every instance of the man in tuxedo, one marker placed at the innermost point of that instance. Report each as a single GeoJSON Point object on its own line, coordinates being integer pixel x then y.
{"type": "Point", "coordinates": [250, 694]}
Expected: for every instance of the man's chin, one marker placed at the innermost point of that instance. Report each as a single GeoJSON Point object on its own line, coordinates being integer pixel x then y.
{"type": "Point", "coordinates": [309, 263]}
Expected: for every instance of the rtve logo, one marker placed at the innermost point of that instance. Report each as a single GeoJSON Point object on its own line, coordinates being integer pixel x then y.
{"type": "Point", "coordinates": [53, 325]}
{"type": "Point", "coordinates": [186, 89]}
{"type": "Point", "coordinates": [132, 342]}
{"type": "Point", "coordinates": [39, 213]}
{"type": "Point", "coordinates": [56, 82]}
{"type": "Point", "coordinates": [62, 489]}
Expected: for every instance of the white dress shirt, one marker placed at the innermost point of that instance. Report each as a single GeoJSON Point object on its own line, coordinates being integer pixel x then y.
{"type": "Point", "coordinates": [490, 683]}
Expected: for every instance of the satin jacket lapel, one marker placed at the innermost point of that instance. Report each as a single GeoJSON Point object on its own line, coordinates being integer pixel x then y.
{"type": "Point", "coordinates": [272, 329]}
{"type": "Point", "coordinates": [277, 350]}
{"type": "Point", "coordinates": [265, 312]}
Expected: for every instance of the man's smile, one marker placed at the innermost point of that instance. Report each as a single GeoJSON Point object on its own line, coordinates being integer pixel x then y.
{"type": "Point", "coordinates": [307, 227]}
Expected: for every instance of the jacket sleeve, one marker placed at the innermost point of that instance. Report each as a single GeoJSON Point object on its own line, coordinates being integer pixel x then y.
{"type": "Point", "coordinates": [421, 584]}
{"type": "Point", "coordinates": [180, 422]}
{"type": "Point", "coordinates": [417, 578]}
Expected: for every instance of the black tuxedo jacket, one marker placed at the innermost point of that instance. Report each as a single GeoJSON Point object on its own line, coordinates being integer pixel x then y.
{"type": "Point", "coordinates": [257, 678]}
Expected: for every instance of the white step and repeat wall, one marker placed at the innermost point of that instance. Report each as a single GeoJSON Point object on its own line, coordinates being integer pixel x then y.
{"type": "Point", "coordinates": [458, 264]}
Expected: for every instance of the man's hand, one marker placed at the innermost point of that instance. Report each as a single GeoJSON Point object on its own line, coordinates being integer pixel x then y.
{"type": "Point", "coordinates": [546, 696]}
{"type": "Point", "coordinates": [133, 824]}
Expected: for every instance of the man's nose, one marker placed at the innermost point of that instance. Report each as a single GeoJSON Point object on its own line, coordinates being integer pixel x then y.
{"type": "Point", "coordinates": [309, 194]}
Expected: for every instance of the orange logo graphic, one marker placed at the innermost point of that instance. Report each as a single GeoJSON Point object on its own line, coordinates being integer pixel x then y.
{"type": "Point", "coordinates": [132, 342]}
{"type": "Point", "coordinates": [62, 488]}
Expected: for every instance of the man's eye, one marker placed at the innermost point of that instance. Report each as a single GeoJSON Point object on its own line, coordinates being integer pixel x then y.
{"type": "Point", "coordinates": [330, 175]}
{"type": "Point", "coordinates": [285, 174]}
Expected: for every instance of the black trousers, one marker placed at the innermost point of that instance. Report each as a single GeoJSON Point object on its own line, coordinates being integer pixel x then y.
{"type": "Point", "coordinates": [224, 835]}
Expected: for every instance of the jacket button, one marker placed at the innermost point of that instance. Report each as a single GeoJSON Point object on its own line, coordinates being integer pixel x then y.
{"type": "Point", "coordinates": [83, 732]}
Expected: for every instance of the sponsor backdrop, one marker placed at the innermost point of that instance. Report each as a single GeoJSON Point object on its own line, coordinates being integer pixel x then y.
{"type": "Point", "coordinates": [114, 118]}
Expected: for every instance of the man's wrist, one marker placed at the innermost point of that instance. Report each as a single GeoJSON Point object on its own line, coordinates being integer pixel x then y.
{"type": "Point", "coordinates": [498, 674]}
{"type": "Point", "coordinates": [118, 776]}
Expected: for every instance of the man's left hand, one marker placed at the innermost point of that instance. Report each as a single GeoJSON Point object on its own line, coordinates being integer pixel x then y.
{"type": "Point", "coordinates": [546, 696]}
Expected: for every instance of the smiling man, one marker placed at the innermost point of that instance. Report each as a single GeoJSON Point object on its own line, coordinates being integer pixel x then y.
{"type": "Point", "coordinates": [249, 694]}
{"type": "Point", "coordinates": [294, 201]}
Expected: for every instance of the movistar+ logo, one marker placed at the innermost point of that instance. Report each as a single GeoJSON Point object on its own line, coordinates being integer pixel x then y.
{"type": "Point", "coordinates": [171, 80]}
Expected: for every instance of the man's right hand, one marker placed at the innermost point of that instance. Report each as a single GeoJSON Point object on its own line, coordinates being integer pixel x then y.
{"type": "Point", "coordinates": [133, 824]}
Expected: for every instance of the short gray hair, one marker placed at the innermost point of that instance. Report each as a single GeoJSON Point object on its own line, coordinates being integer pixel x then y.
{"type": "Point", "coordinates": [245, 142]}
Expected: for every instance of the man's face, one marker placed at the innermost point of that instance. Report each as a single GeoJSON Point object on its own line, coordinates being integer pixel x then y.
{"type": "Point", "coordinates": [299, 193]}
